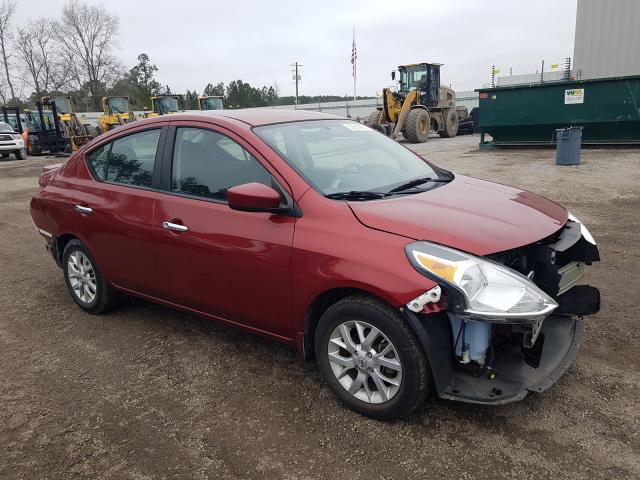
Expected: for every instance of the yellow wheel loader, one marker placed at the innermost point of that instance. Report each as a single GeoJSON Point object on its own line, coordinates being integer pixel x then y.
{"type": "Point", "coordinates": [77, 132]}
{"type": "Point", "coordinates": [210, 103]}
{"type": "Point", "coordinates": [419, 106]}
{"type": "Point", "coordinates": [163, 105]}
{"type": "Point", "coordinates": [117, 112]}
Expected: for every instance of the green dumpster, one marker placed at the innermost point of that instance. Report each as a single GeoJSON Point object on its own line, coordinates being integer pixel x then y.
{"type": "Point", "coordinates": [608, 109]}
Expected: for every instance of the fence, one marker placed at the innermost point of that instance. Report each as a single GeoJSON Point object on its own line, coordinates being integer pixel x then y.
{"type": "Point", "coordinates": [356, 109]}
{"type": "Point", "coordinates": [361, 109]}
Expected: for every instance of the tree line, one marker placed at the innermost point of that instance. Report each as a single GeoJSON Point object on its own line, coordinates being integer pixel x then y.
{"type": "Point", "coordinates": [74, 55]}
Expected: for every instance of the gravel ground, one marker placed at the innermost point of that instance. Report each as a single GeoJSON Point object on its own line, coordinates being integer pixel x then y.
{"type": "Point", "coordinates": [148, 392]}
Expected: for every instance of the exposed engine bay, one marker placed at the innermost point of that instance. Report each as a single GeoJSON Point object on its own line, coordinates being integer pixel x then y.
{"type": "Point", "coordinates": [556, 265]}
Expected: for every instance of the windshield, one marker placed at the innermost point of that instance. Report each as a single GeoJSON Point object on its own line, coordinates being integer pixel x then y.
{"type": "Point", "coordinates": [4, 127]}
{"type": "Point", "coordinates": [212, 103]}
{"type": "Point", "coordinates": [167, 104]}
{"type": "Point", "coordinates": [410, 79]}
{"type": "Point", "coordinates": [63, 105]}
{"type": "Point", "coordinates": [119, 105]}
{"type": "Point", "coordinates": [338, 156]}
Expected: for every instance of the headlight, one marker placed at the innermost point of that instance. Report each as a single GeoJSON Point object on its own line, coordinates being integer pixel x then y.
{"type": "Point", "coordinates": [489, 290]}
{"type": "Point", "coordinates": [584, 230]}
{"type": "Point", "coordinates": [16, 136]}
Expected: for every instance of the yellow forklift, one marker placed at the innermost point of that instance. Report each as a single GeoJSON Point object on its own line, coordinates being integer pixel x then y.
{"type": "Point", "coordinates": [117, 111]}
{"type": "Point", "coordinates": [210, 103]}
{"type": "Point", "coordinates": [420, 105]}
{"type": "Point", "coordinates": [163, 105]}
{"type": "Point", "coordinates": [78, 133]}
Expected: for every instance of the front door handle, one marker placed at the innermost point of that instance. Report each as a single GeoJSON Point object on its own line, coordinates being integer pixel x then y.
{"type": "Point", "coordinates": [81, 209]}
{"type": "Point", "coordinates": [176, 227]}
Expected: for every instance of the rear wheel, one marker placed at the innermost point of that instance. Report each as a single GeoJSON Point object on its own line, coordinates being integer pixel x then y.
{"type": "Point", "coordinates": [85, 281]}
{"type": "Point", "coordinates": [450, 123]}
{"type": "Point", "coordinates": [371, 359]}
{"type": "Point", "coordinates": [417, 125]}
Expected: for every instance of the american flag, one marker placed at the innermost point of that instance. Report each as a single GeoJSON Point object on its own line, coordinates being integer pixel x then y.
{"type": "Point", "coordinates": [354, 53]}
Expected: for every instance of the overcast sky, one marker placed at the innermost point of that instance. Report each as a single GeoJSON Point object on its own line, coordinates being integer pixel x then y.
{"type": "Point", "coordinates": [194, 42]}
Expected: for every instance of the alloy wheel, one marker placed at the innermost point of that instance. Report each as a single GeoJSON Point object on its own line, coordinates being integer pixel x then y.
{"type": "Point", "coordinates": [82, 277]}
{"type": "Point", "coordinates": [364, 361]}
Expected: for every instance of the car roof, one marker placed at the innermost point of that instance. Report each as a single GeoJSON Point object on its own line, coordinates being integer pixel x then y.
{"type": "Point", "coordinates": [261, 116]}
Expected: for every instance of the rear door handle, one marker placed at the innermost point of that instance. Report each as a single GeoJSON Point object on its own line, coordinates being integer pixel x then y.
{"type": "Point", "coordinates": [176, 227]}
{"type": "Point", "coordinates": [81, 209]}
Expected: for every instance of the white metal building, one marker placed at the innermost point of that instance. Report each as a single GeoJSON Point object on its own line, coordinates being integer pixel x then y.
{"type": "Point", "coordinates": [607, 41]}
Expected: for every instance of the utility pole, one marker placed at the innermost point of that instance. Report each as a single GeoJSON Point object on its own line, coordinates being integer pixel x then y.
{"type": "Point", "coordinates": [296, 78]}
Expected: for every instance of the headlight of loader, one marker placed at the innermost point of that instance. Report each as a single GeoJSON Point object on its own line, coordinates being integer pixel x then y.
{"type": "Point", "coordinates": [489, 290]}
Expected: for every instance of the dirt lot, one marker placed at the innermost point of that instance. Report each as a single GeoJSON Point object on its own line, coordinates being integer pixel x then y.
{"type": "Point", "coordinates": [147, 392]}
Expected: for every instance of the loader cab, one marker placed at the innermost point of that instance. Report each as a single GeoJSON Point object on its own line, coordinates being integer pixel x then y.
{"type": "Point", "coordinates": [64, 105]}
{"type": "Point", "coordinates": [164, 104]}
{"type": "Point", "coordinates": [210, 103]}
{"type": "Point", "coordinates": [424, 77]}
{"type": "Point", "coordinates": [115, 105]}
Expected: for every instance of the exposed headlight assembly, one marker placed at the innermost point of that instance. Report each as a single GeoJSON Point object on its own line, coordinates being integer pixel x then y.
{"type": "Point", "coordinates": [482, 288]}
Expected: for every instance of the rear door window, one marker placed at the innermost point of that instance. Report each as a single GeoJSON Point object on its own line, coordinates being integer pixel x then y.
{"type": "Point", "coordinates": [127, 160]}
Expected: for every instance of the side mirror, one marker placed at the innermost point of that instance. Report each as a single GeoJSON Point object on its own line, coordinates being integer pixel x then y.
{"type": "Point", "coordinates": [253, 197]}
{"type": "Point", "coordinates": [393, 75]}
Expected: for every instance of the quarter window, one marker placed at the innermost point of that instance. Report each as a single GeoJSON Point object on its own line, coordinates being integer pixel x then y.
{"type": "Point", "coordinates": [206, 164]}
{"type": "Point", "coordinates": [128, 160]}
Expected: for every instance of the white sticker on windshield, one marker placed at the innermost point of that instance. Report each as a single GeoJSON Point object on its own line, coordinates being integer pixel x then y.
{"type": "Point", "coordinates": [356, 126]}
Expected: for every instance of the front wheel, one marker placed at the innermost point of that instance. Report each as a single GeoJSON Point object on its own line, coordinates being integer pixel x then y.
{"type": "Point", "coordinates": [85, 281]}
{"type": "Point", "coordinates": [417, 125]}
{"type": "Point", "coordinates": [21, 154]}
{"type": "Point", "coordinates": [371, 359]}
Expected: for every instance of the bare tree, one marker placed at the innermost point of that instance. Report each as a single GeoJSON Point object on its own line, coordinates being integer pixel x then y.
{"type": "Point", "coordinates": [46, 68]}
{"type": "Point", "coordinates": [3, 91]}
{"type": "Point", "coordinates": [7, 9]}
{"type": "Point", "coordinates": [90, 36]}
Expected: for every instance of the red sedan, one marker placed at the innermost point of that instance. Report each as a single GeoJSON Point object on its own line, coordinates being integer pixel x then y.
{"type": "Point", "coordinates": [397, 276]}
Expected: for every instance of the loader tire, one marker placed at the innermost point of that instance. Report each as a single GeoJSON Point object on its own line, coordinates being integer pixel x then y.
{"type": "Point", "coordinates": [417, 126]}
{"type": "Point", "coordinates": [450, 123]}
{"type": "Point", "coordinates": [374, 122]}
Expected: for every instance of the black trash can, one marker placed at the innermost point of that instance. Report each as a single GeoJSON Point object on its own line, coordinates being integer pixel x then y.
{"type": "Point", "coordinates": [569, 141]}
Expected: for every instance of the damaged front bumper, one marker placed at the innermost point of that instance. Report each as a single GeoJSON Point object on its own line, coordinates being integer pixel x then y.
{"type": "Point", "coordinates": [479, 359]}
{"type": "Point", "coordinates": [511, 375]}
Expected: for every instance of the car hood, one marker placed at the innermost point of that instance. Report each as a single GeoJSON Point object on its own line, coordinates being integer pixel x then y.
{"type": "Point", "coordinates": [472, 215]}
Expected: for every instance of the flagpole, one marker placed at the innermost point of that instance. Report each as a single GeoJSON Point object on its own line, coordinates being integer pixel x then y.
{"type": "Point", "coordinates": [355, 60]}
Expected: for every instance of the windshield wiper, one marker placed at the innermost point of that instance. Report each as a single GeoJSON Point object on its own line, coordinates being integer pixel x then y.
{"type": "Point", "coordinates": [419, 181]}
{"type": "Point", "coordinates": [356, 195]}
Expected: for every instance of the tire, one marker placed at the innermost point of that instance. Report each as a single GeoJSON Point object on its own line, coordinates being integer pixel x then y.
{"type": "Point", "coordinates": [373, 121]}
{"type": "Point", "coordinates": [31, 150]}
{"type": "Point", "coordinates": [374, 118]}
{"type": "Point", "coordinates": [417, 125]}
{"type": "Point", "coordinates": [76, 255]}
{"type": "Point", "coordinates": [407, 370]}
{"type": "Point", "coordinates": [21, 154]}
{"type": "Point", "coordinates": [450, 117]}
